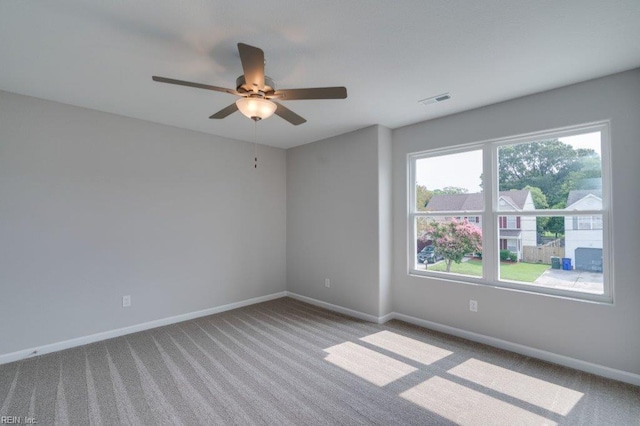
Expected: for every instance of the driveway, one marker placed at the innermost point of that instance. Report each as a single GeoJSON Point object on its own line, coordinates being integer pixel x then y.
{"type": "Point", "coordinates": [589, 282]}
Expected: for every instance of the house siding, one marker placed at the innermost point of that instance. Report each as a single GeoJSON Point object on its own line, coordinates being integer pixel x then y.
{"type": "Point", "coordinates": [575, 238]}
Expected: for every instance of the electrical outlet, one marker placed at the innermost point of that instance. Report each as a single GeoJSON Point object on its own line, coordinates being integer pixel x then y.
{"type": "Point", "coordinates": [327, 283]}
{"type": "Point", "coordinates": [126, 301]}
{"type": "Point", "coordinates": [473, 305]}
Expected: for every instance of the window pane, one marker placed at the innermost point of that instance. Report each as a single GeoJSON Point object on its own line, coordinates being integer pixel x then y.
{"type": "Point", "coordinates": [560, 252]}
{"type": "Point", "coordinates": [555, 173]}
{"type": "Point", "coordinates": [448, 245]}
{"type": "Point", "coordinates": [450, 182]}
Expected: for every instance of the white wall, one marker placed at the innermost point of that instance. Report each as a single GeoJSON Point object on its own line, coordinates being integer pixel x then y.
{"type": "Point", "coordinates": [94, 206]}
{"type": "Point", "coordinates": [333, 220]}
{"type": "Point", "coordinates": [604, 334]}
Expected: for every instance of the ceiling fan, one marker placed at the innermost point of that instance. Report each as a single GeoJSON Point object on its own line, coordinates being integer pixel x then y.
{"type": "Point", "coordinates": [257, 91]}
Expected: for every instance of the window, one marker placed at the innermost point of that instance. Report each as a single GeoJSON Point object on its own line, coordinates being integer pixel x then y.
{"type": "Point", "coordinates": [447, 234]}
{"type": "Point", "coordinates": [529, 212]}
{"type": "Point", "coordinates": [473, 219]}
{"type": "Point", "coordinates": [586, 222]}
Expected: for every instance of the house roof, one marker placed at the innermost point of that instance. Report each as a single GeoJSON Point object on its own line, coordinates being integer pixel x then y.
{"type": "Point", "coordinates": [462, 202]}
{"type": "Point", "coordinates": [579, 194]}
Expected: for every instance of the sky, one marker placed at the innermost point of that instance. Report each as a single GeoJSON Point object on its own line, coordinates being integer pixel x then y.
{"type": "Point", "coordinates": [464, 169]}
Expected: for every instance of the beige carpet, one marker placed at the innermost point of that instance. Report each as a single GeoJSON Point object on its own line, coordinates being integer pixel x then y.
{"type": "Point", "coordinates": [289, 363]}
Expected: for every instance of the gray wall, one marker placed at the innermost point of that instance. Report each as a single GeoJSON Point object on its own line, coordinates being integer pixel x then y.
{"type": "Point", "coordinates": [333, 226]}
{"type": "Point", "coordinates": [385, 222]}
{"type": "Point", "coordinates": [94, 206]}
{"type": "Point", "coordinates": [598, 333]}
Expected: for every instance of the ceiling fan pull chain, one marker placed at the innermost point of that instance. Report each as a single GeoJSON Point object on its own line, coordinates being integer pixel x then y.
{"type": "Point", "coordinates": [255, 138]}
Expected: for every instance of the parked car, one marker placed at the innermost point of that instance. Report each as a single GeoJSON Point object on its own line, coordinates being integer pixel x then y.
{"type": "Point", "coordinates": [429, 255]}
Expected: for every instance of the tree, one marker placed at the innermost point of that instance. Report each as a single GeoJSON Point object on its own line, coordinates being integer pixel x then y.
{"type": "Point", "coordinates": [423, 196]}
{"type": "Point", "coordinates": [588, 175]}
{"type": "Point", "coordinates": [539, 199]}
{"type": "Point", "coordinates": [455, 190]}
{"type": "Point", "coordinates": [555, 224]}
{"type": "Point", "coordinates": [550, 165]}
{"type": "Point", "coordinates": [453, 239]}
{"type": "Point", "coordinates": [540, 202]}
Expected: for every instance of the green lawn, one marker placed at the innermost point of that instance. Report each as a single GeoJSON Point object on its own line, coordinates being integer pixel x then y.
{"type": "Point", "coordinates": [524, 272]}
{"type": "Point", "coordinates": [472, 267]}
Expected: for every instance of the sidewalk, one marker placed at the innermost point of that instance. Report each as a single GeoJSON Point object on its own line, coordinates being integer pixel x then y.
{"type": "Point", "coordinates": [590, 282]}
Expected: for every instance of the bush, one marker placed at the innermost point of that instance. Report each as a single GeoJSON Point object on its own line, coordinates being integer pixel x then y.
{"type": "Point", "coordinates": [513, 257]}
{"type": "Point", "coordinates": [504, 255]}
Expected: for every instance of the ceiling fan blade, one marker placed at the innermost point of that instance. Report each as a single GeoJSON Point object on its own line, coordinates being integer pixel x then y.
{"type": "Point", "coordinates": [253, 65]}
{"type": "Point", "coordinates": [311, 93]}
{"type": "Point", "coordinates": [196, 85]}
{"type": "Point", "coordinates": [289, 115]}
{"type": "Point", "coordinates": [225, 111]}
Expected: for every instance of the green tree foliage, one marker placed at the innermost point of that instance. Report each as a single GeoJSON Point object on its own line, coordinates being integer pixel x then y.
{"type": "Point", "coordinates": [551, 165]}
{"type": "Point", "coordinates": [555, 224]}
{"type": "Point", "coordinates": [455, 190]}
{"type": "Point", "coordinates": [540, 201]}
{"type": "Point", "coordinates": [423, 196]}
{"type": "Point", "coordinates": [453, 239]}
{"type": "Point", "coordinates": [588, 175]}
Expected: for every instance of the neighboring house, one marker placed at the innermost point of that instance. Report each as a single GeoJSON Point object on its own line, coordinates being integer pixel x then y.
{"type": "Point", "coordinates": [515, 231]}
{"type": "Point", "coordinates": [583, 234]}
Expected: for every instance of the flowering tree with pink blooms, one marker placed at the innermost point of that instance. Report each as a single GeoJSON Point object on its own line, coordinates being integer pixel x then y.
{"type": "Point", "coordinates": [453, 239]}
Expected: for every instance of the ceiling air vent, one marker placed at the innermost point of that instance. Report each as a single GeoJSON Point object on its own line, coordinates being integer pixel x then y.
{"type": "Point", "coordinates": [435, 99]}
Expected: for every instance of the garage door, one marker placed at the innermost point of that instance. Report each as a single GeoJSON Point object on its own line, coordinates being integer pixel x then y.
{"type": "Point", "coordinates": [589, 259]}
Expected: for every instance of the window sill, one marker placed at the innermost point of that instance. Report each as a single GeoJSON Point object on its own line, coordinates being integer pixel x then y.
{"type": "Point", "coordinates": [593, 298]}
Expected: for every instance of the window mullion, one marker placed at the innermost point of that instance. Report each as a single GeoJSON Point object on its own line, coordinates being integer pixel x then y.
{"type": "Point", "coordinates": [489, 227]}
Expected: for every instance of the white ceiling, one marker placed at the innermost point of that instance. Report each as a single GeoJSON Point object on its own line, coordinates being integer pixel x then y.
{"type": "Point", "coordinates": [389, 54]}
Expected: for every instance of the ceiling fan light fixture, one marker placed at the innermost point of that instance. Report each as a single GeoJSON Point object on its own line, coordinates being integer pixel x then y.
{"type": "Point", "coordinates": [256, 108]}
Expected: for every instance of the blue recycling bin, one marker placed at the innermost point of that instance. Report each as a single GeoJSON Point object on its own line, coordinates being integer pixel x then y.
{"type": "Point", "coordinates": [566, 264]}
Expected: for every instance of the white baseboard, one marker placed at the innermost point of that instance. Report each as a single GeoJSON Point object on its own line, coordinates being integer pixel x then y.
{"type": "Point", "coordinates": [554, 358]}
{"type": "Point", "coordinates": [332, 307]}
{"type": "Point", "coordinates": [84, 340]}
{"type": "Point", "coordinates": [385, 318]}
{"type": "Point", "coordinates": [600, 370]}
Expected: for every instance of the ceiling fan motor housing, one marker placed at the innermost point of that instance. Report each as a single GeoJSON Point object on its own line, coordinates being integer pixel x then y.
{"type": "Point", "coordinates": [243, 87]}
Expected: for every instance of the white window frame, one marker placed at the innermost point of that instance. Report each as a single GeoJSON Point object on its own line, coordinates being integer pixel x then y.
{"type": "Point", "coordinates": [490, 214]}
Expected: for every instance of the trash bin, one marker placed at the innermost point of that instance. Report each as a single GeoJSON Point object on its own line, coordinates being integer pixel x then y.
{"type": "Point", "coordinates": [555, 262]}
{"type": "Point", "coordinates": [566, 263]}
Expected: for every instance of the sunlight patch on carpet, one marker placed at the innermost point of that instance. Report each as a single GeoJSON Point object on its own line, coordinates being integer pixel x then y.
{"type": "Point", "coordinates": [370, 365]}
{"type": "Point", "coordinates": [466, 406]}
{"type": "Point", "coordinates": [407, 347]}
{"type": "Point", "coordinates": [549, 396]}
